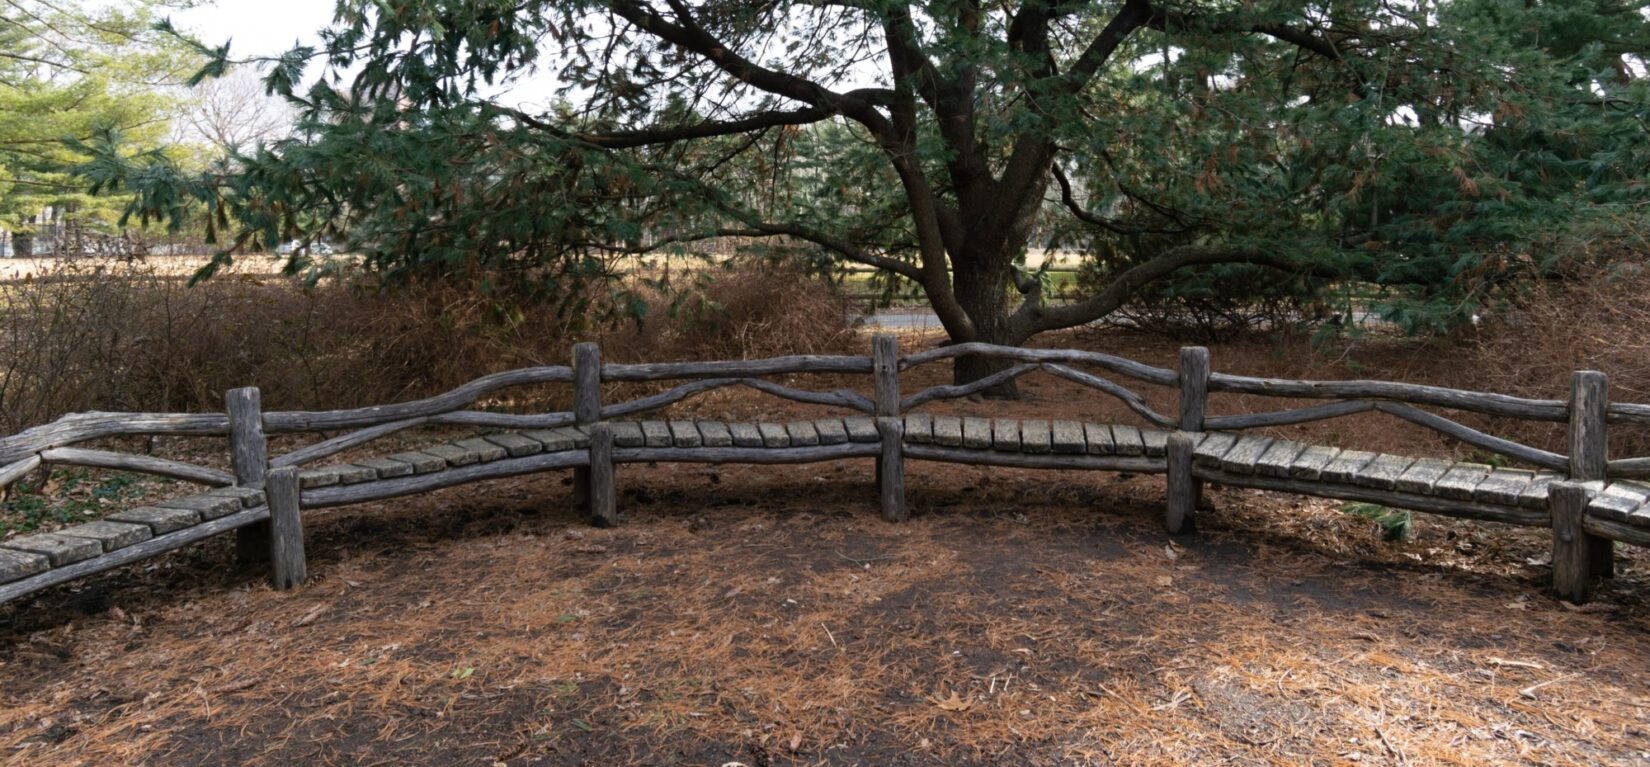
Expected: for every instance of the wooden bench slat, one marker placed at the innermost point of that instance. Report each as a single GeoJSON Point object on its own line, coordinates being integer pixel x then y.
{"type": "Point", "coordinates": [60, 549]}
{"type": "Point", "coordinates": [1423, 475]}
{"type": "Point", "coordinates": [714, 433]}
{"type": "Point", "coordinates": [684, 434]}
{"type": "Point", "coordinates": [1005, 435]}
{"type": "Point", "coordinates": [831, 431]}
{"type": "Point", "coordinates": [110, 534]}
{"type": "Point", "coordinates": [1066, 438]}
{"type": "Point", "coordinates": [976, 433]}
{"type": "Point", "coordinates": [160, 520]}
{"type": "Point", "coordinates": [1346, 466]}
{"type": "Point", "coordinates": [1155, 442]}
{"type": "Point", "coordinates": [919, 428]}
{"type": "Point", "coordinates": [1534, 495]}
{"type": "Point", "coordinates": [1619, 500]}
{"type": "Point", "coordinates": [861, 429]}
{"type": "Point", "coordinates": [559, 440]}
{"type": "Point", "coordinates": [421, 462]}
{"type": "Point", "coordinates": [1310, 463]}
{"type": "Point", "coordinates": [948, 431]}
{"type": "Point", "coordinates": [655, 434]}
{"type": "Point", "coordinates": [207, 505]}
{"type": "Point", "coordinates": [516, 445]}
{"type": "Point", "coordinates": [452, 454]}
{"type": "Point", "coordinates": [1127, 440]}
{"type": "Point", "coordinates": [1035, 437]}
{"type": "Point", "coordinates": [386, 468]}
{"type": "Point", "coordinates": [802, 433]}
{"type": "Point", "coordinates": [1098, 436]}
{"type": "Point", "coordinates": [1278, 459]}
{"type": "Point", "coordinates": [1461, 480]}
{"type": "Point", "coordinates": [774, 435]}
{"type": "Point", "coordinates": [17, 565]}
{"type": "Point", "coordinates": [1212, 448]}
{"type": "Point", "coordinates": [488, 451]}
{"type": "Point", "coordinates": [1383, 472]}
{"type": "Point", "coordinates": [745, 435]}
{"type": "Point", "coordinates": [1503, 486]}
{"type": "Point", "coordinates": [1241, 457]}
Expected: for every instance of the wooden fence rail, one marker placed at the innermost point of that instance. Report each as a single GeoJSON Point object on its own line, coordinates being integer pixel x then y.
{"type": "Point", "coordinates": [592, 437]}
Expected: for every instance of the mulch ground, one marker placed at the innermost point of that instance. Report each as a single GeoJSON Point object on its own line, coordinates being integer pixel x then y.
{"type": "Point", "coordinates": [767, 616]}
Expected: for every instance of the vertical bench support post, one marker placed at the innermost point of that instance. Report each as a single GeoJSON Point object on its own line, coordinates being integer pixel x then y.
{"type": "Point", "coordinates": [249, 457]}
{"type": "Point", "coordinates": [891, 469]}
{"type": "Point", "coordinates": [604, 501]}
{"type": "Point", "coordinates": [1572, 551]}
{"type": "Point", "coordinates": [587, 408]}
{"type": "Point", "coordinates": [1589, 455]}
{"type": "Point", "coordinates": [1185, 491]}
{"type": "Point", "coordinates": [286, 550]}
{"type": "Point", "coordinates": [885, 378]}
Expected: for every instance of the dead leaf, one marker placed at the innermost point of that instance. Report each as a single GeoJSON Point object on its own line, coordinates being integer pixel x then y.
{"type": "Point", "coordinates": [310, 616]}
{"type": "Point", "coordinates": [1165, 581]}
{"type": "Point", "coordinates": [953, 703]}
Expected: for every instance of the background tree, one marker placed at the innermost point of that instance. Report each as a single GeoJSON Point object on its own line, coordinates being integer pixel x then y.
{"type": "Point", "coordinates": [1344, 140]}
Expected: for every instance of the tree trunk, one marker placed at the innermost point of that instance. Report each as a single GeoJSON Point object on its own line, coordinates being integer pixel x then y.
{"type": "Point", "coordinates": [983, 293]}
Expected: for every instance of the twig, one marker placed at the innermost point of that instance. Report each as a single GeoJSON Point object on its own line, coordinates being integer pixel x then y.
{"type": "Point", "coordinates": [828, 634]}
{"type": "Point", "coordinates": [1529, 692]}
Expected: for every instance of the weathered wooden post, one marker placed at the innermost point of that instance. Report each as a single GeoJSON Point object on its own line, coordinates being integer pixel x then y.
{"type": "Point", "coordinates": [249, 457]}
{"type": "Point", "coordinates": [604, 501]}
{"type": "Point", "coordinates": [1185, 490]}
{"type": "Point", "coordinates": [1587, 556]}
{"type": "Point", "coordinates": [1572, 554]}
{"type": "Point", "coordinates": [885, 378]}
{"type": "Point", "coordinates": [587, 408]}
{"type": "Point", "coordinates": [286, 551]}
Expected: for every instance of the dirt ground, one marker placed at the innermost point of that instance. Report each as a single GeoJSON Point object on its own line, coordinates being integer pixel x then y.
{"type": "Point", "coordinates": [767, 616]}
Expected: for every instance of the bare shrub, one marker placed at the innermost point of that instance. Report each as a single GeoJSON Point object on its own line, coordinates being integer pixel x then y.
{"type": "Point", "coordinates": [109, 335]}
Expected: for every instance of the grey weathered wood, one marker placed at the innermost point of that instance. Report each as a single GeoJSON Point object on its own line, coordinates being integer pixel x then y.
{"type": "Point", "coordinates": [422, 463]}
{"type": "Point", "coordinates": [327, 420]}
{"type": "Point", "coordinates": [861, 429]}
{"type": "Point", "coordinates": [1415, 394]}
{"type": "Point", "coordinates": [1465, 509]}
{"type": "Point", "coordinates": [515, 444]}
{"type": "Point", "coordinates": [160, 520]}
{"type": "Point", "coordinates": [338, 444]}
{"type": "Point", "coordinates": [1588, 437]}
{"type": "Point", "coordinates": [1210, 449]}
{"type": "Point", "coordinates": [248, 496]}
{"type": "Point", "coordinates": [1066, 438]}
{"type": "Point", "coordinates": [1473, 436]}
{"type": "Point", "coordinates": [1383, 472]}
{"type": "Point", "coordinates": [351, 474]}
{"type": "Point", "coordinates": [587, 409]}
{"type": "Point", "coordinates": [802, 433]}
{"type": "Point", "coordinates": [579, 435]}
{"type": "Point", "coordinates": [839, 398]}
{"type": "Point", "coordinates": [1005, 434]}
{"type": "Point", "coordinates": [774, 435]}
{"type": "Point", "coordinates": [684, 434]}
{"type": "Point", "coordinates": [1286, 417]}
{"type": "Point", "coordinates": [341, 495]}
{"type": "Point", "coordinates": [1346, 466]}
{"type": "Point", "coordinates": [955, 391]}
{"type": "Point", "coordinates": [1035, 437]}
{"type": "Point", "coordinates": [1608, 529]}
{"type": "Point", "coordinates": [714, 433]}
{"type": "Point", "coordinates": [453, 454]}
{"type": "Point", "coordinates": [625, 434]}
{"type": "Point", "coordinates": [18, 470]}
{"type": "Point", "coordinates": [81, 427]}
{"type": "Point", "coordinates": [1180, 506]}
{"type": "Point", "coordinates": [1098, 437]}
{"type": "Point", "coordinates": [885, 374]}
{"type": "Point", "coordinates": [1279, 458]}
{"type": "Point", "coordinates": [209, 506]}
{"type": "Point", "coordinates": [1130, 399]}
{"type": "Point", "coordinates": [1572, 552]}
{"type": "Point", "coordinates": [656, 434]}
{"type": "Point", "coordinates": [891, 469]}
{"type": "Point", "coordinates": [751, 455]}
{"type": "Point", "coordinates": [1636, 468]}
{"type": "Point", "coordinates": [60, 549]}
{"type": "Point", "coordinates": [481, 447]}
{"type": "Point", "coordinates": [1503, 486]}
{"type": "Point", "coordinates": [919, 428]}
{"type": "Point", "coordinates": [386, 468]}
{"type": "Point", "coordinates": [830, 431]}
{"type": "Point", "coordinates": [1135, 464]}
{"type": "Point", "coordinates": [1461, 480]}
{"type": "Point", "coordinates": [745, 435]}
{"type": "Point", "coordinates": [737, 368]}
{"type": "Point", "coordinates": [976, 433]}
{"type": "Point", "coordinates": [1127, 440]}
{"type": "Point", "coordinates": [1619, 500]}
{"type": "Point", "coordinates": [157, 545]}
{"type": "Point", "coordinates": [513, 421]}
{"type": "Point", "coordinates": [1534, 495]}
{"type": "Point", "coordinates": [1423, 475]}
{"type": "Point", "coordinates": [142, 464]}
{"type": "Point", "coordinates": [948, 431]}
{"type": "Point", "coordinates": [287, 565]}
{"type": "Point", "coordinates": [1155, 442]}
{"type": "Point", "coordinates": [15, 565]}
{"type": "Point", "coordinates": [1245, 453]}
{"type": "Point", "coordinates": [1310, 463]}
{"type": "Point", "coordinates": [1115, 364]}
{"type": "Point", "coordinates": [1192, 386]}
{"type": "Point", "coordinates": [604, 499]}
{"type": "Point", "coordinates": [111, 534]}
{"type": "Point", "coordinates": [249, 458]}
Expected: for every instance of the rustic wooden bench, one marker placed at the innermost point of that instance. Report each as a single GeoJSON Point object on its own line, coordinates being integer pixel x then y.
{"type": "Point", "coordinates": [1576, 495]}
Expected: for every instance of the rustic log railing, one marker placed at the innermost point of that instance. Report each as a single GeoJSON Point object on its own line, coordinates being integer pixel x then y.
{"type": "Point", "coordinates": [1583, 496]}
